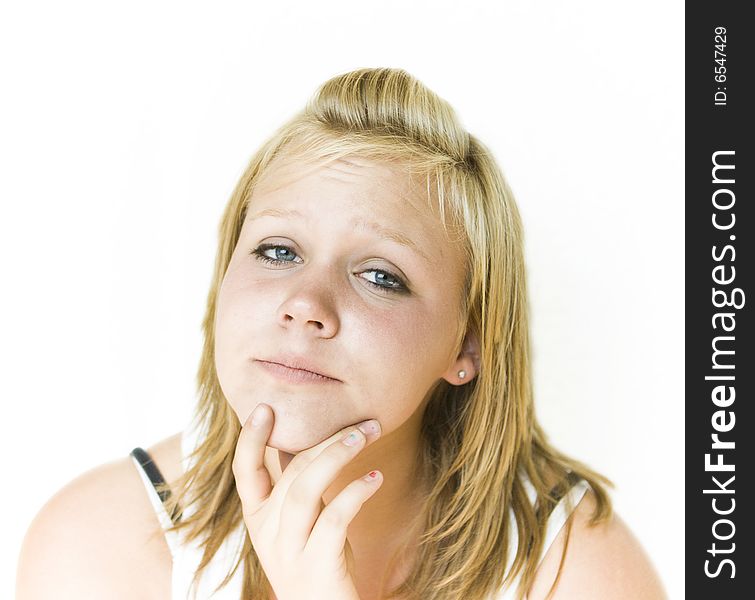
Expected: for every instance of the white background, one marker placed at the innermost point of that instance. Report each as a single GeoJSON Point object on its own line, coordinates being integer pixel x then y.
{"type": "Point", "coordinates": [125, 126]}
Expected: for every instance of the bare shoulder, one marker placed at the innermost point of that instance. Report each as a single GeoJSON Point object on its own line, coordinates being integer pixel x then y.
{"type": "Point", "coordinates": [90, 538]}
{"type": "Point", "coordinates": [602, 561]}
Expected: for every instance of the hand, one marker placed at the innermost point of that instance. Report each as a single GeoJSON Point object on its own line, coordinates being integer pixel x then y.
{"type": "Point", "coordinates": [300, 542]}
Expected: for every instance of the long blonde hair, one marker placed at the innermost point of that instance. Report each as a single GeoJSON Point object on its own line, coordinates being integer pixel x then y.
{"type": "Point", "coordinates": [479, 440]}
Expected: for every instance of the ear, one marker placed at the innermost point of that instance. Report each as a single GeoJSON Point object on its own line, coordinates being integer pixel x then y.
{"type": "Point", "coordinates": [468, 361]}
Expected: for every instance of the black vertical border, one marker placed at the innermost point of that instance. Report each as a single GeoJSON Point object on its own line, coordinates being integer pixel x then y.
{"type": "Point", "coordinates": [710, 128]}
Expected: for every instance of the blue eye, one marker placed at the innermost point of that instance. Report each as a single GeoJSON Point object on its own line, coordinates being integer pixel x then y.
{"type": "Point", "coordinates": [394, 283]}
{"type": "Point", "coordinates": [259, 252]}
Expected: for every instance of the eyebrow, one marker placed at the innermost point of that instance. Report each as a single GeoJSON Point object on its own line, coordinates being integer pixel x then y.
{"type": "Point", "coordinates": [385, 233]}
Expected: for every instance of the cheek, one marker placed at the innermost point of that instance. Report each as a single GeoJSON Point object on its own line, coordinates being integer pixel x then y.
{"type": "Point", "coordinates": [236, 319]}
{"type": "Point", "coordinates": [230, 314]}
{"type": "Point", "coordinates": [239, 299]}
{"type": "Point", "coordinates": [420, 334]}
{"type": "Point", "coordinates": [400, 356]}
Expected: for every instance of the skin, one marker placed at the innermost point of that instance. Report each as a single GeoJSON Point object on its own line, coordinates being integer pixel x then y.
{"type": "Point", "coordinates": [388, 349]}
{"type": "Point", "coordinates": [97, 531]}
{"type": "Point", "coordinates": [301, 544]}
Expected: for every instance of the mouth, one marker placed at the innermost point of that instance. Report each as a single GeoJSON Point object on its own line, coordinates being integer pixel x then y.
{"type": "Point", "coordinates": [294, 374]}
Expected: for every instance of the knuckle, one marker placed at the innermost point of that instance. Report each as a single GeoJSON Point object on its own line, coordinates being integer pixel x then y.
{"type": "Point", "coordinates": [360, 489]}
{"type": "Point", "coordinates": [297, 494]}
{"type": "Point", "coordinates": [332, 517]}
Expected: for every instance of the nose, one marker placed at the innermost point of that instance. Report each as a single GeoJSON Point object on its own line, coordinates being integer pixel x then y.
{"type": "Point", "coordinates": [309, 307]}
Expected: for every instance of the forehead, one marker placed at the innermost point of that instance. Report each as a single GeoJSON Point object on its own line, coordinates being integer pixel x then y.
{"type": "Point", "coordinates": [353, 180]}
{"type": "Point", "coordinates": [357, 194]}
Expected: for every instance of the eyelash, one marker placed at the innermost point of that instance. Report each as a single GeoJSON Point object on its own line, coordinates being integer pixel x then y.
{"type": "Point", "coordinates": [399, 288]}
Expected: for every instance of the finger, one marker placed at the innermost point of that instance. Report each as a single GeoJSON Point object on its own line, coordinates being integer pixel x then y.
{"type": "Point", "coordinates": [329, 532]}
{"type": "Point", "coordinates": [301, 505]}
{"type": "Point", "coordinates": [303, 459]}
{"type": "Point", "coordinates": [253, 481]}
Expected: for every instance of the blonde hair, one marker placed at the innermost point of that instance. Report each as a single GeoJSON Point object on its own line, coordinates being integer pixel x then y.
{"type": "Point", "coordinates": [479, 440]}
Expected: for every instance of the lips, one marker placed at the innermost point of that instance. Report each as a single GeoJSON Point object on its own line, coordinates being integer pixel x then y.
{"type": "Point", "coordinates": [300, 363]}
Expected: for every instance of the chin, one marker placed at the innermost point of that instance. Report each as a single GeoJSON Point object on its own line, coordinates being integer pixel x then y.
{"type": "Point", "coordinates": [293, 442]}
{"type": "Point", "coordinates": [290, 448]}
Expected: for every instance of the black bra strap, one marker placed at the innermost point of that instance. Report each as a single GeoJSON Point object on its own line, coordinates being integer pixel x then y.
{"type": "Point", "coordinates": [154, 475]}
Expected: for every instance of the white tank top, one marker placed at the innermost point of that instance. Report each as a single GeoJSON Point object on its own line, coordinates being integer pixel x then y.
{"type": "Point", "coordinates": [187, 555]}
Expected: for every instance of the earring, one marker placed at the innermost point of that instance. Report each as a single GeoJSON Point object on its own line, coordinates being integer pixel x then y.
{"type": "Point", "coordinates": [462, 374]}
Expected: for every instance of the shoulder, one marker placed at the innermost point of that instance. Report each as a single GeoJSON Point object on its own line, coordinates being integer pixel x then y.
{"type": "Point", "coordinates": [602, 561]}
{"type": "Point", "coordinates": [90, 538]}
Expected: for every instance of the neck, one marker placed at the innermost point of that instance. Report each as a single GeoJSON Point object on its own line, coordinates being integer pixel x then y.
{"type": "Point", "coordinates": [389, 509]}
{"type": "Point", "coordinates": [383, 524]}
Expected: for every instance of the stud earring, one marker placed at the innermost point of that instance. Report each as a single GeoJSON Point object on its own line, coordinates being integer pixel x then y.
{"type": "Point", "coordinates": [462, 374]}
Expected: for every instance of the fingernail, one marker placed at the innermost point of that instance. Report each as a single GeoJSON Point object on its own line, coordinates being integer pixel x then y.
{"type": "Point", "coordinates": [352, 439]}
{"type": "Point", "coordinates": [369, 427]}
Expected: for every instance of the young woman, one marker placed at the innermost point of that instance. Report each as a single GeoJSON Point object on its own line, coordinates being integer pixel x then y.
{"type": "Point", "coordinates": [365, 426]}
